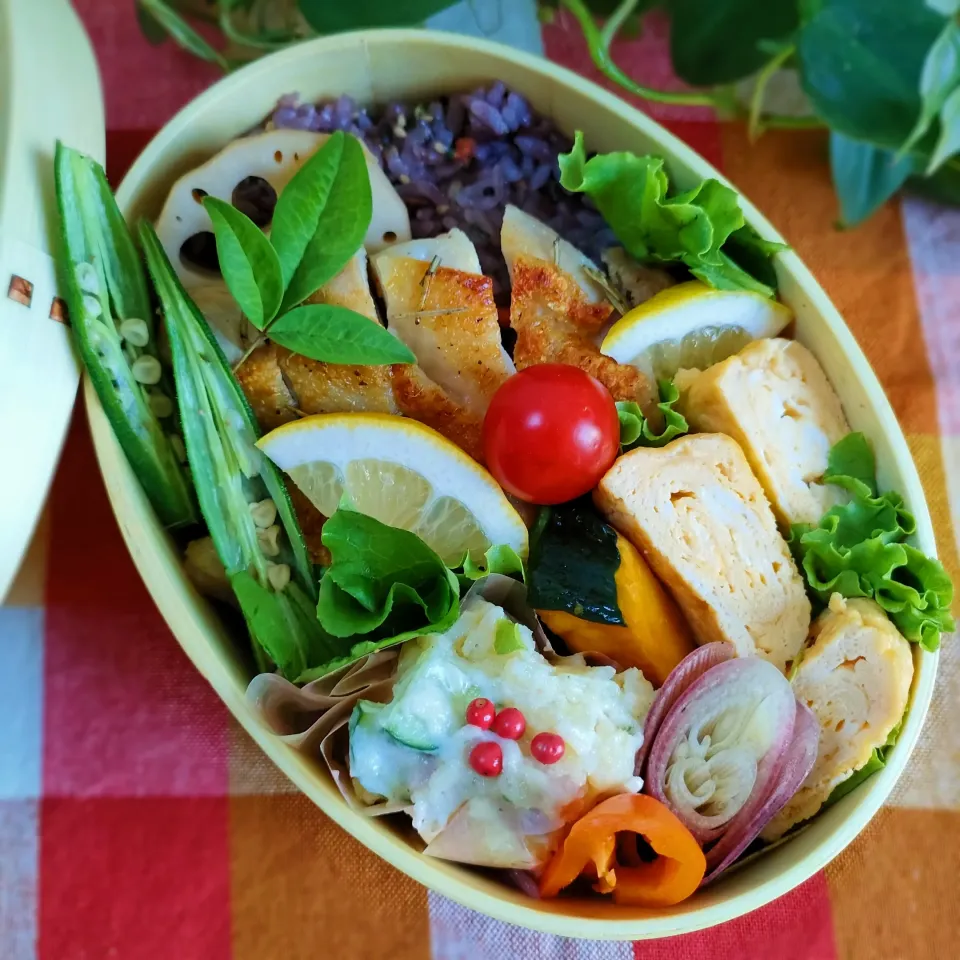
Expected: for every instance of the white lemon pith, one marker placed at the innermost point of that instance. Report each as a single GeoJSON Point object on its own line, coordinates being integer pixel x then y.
{"type": "Point", "coordinates": [692, 325]}
{"type": "Point", "coordinates": [403, 474]}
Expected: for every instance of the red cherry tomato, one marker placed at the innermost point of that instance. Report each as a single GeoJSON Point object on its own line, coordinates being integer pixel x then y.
{"type": "Point", "coordinates": [510, 724]}
{"type": "Point", "coordinates": [487, 759]}
{"type": "Point", "coordinates": [551, 432]}
{"type": "Point", "coordinates": [547, 747]}
{"type": "Point", "coordinates": [480, 713]}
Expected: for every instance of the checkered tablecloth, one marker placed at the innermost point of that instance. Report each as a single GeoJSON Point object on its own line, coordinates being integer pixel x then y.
{"type": "Point", "coordinates": [138, 822]}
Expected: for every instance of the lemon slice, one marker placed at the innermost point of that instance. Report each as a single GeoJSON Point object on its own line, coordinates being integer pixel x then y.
{"type": "Point", "coordinates": [692, 325]}
{"type": "Point", "coordinates": [401, 473]}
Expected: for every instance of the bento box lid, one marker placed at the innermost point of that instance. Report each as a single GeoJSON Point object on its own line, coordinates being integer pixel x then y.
{"type": "Point", "coordinates": [49, 90]}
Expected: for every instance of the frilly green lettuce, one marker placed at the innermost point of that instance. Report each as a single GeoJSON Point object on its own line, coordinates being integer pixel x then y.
{"type": "Point", "coordinates": [702, 228]}
{"type": "Point", "coordinates": [635, 429]}
{"type": "Point", "coordinates": [857, 550]}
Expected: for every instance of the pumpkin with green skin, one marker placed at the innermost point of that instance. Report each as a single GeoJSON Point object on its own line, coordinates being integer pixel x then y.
{"type": "Point", "coordinates": [594, 590]}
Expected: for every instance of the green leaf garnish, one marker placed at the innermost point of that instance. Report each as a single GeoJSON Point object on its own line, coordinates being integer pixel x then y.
{"type": "Point", "coordinates": [857, 550]}
{"type": "Point", "coordinates": [851, 459]}
{"type": "Point", "coordinates": [877, 761]}
{"type": "Point", "coordinates": [691, 227]}
{"type": "Point", "coordinates": [334, 334]}
{"type": "Point", "coordinates": [248, 262]}
{"type": "Point", "coordinates": [321, 217]}
{"type": "Point", "coordinates": [635, 430]}
{"type": "Point", "coordinates": [284, 624]}
{"type": "Point", "coordinates": [507, 638]}
{"type": "Point", "coordinates": [384, 586]}
{"type": "Point", "coordinates": [500, 558]}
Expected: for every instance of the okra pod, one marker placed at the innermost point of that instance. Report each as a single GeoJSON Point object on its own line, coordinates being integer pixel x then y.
{"type": "Point", "coordinates": [268, 567]}
{"type": "Point", "coordinates": [112, 321]}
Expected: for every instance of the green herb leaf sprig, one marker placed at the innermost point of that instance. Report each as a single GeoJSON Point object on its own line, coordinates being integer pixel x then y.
{"type": "Point", "coordinates": [319, 223]}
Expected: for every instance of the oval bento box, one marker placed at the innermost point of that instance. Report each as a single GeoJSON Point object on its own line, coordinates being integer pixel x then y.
{"type": "Point", "coordinates": [411, 65]}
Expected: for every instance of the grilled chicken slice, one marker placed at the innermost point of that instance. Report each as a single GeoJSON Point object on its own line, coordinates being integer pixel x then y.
{"type": "Point", "coordinates": [636, 282]}
{"type": "Point", "coordinates": [855, 676]}
{"type": "Point", "coordinates": [524, 236]}
{"type": "Point", "coordinates": [774, 399]}
{"type": "Point", "coordinates": [280, 384]}
{"type": "Point", "coordinates": [560, 314]}
{"type": "Point", "coordinates": [697, 513]}
{"type": "Point", "coordinates": [441, 306]}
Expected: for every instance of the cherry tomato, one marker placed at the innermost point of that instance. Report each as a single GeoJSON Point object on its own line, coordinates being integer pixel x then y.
{"type": "Point", "coordinates": [547, 747]}
{"type": "Point", "coordinates": [510, 724]}
{"type": "Point", "coordinates": [487, 759]}
{"type": "Point", "coordinates": [480, 713]}
{"type": "Point", "coordinates": [551, 432]}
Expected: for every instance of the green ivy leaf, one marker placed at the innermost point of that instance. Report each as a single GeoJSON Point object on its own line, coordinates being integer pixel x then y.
{"type": "Point", "coordinates": [321, 217]}
{"type": "Point", "coordinates": [865, 176]}
{"type": "Point", "coordinates": [181, 32]}
{"type": "Point", "coordinates": [249, 264]}
{"type": "Point", "coordinates": [328, 17]}
{"type": "Point", "coordinates": [714, 43]}
{"type": "Point", "coordinates": [860, 64]}
{"type": "Point", "coordinates": [150, 27]}
{"type": "Point", "coordinates": [949, 141]}
{"type": "Point", "coordinates": [334, 334]}
{"type": "Point", "coordinates": [940, 77]}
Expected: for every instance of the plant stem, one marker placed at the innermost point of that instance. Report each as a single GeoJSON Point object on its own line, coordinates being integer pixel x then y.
{"type": "Point", "coordinates": [600, 53]}
{"type": "Point", "coordinates": [616, 20]}
{"type": "Point", "coordinates": [754, 128]}
{"type": "Point", "coordinates": [268, 40]}
{"type": "Point", "coordinates": [258, 341]}
{"type": "Point", "coordinates": [777, 121]}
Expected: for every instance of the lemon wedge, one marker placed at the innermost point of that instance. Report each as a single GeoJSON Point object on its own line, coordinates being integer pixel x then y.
{"type": "Point", "coordinates": [692, 325]}
{"type": "Point", "coordinates": [403, 474]}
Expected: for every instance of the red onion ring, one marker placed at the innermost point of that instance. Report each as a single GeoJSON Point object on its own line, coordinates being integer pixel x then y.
{"type": "Point", "coordinates": [740, 678]}
{"type": "Point", "coordinates": [689, 669]}
{"type": "Point", "coordinates": [745, 827]}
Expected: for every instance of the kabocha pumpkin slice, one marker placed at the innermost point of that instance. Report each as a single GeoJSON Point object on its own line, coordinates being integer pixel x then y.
{"type": "Point", "coordinates": [593, 589]}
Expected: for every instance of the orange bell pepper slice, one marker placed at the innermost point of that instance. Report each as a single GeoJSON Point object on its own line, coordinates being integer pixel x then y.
{"type": "Point", "coordinates": [590, 845]}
